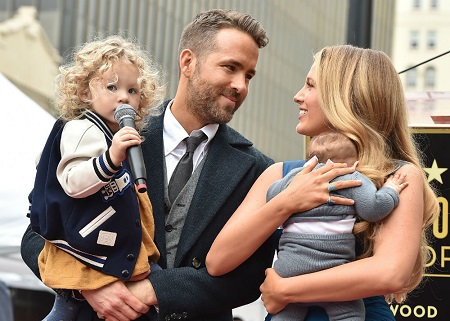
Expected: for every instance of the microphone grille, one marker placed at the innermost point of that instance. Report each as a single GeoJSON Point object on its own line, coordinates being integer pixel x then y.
{"type": "Point", "coordinates": [124, 111]}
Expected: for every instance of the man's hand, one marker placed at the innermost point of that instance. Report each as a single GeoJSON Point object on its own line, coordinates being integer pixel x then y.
{"type": "Point", "coordinates": [143, 290]}
{"type": "Point", "coordinates": [114, 302]}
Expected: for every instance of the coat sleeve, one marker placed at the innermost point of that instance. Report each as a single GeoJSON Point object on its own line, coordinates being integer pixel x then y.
{"type": "Point", "coordinates": [192, 292]}
{"type": "Point", "coordinates": [30, 248]}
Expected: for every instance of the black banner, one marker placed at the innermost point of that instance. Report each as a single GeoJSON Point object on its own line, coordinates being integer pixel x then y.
{"type": "Point", "coordinates": [431, 300]}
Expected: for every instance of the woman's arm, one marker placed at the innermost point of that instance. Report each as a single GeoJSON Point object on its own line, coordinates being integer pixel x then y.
{"type": "Point", "coordinates": [255, 220]}
{"type": "Point", "coordinates": [387, 271]}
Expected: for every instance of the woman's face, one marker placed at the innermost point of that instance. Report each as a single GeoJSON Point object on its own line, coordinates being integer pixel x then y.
{"type": "Point", "coordinates": [311, 118]}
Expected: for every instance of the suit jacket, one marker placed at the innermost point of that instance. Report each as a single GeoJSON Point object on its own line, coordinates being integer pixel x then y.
{"type": "Point", "coordinates": [187, 291]}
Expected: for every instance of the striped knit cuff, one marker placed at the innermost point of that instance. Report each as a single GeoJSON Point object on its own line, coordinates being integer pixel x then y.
{"type": "Point", "coordinates": [104, 167]}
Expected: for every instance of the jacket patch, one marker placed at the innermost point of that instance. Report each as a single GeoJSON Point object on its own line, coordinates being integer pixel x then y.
{"type": "Point", "coordinates": [96, 222]}
{"type": "Point", "coordinates": [106, 238]}
{"type": "Point", "coordinates": [116, 186]}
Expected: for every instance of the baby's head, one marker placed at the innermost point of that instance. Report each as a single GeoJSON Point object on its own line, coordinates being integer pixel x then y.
{"type": "Point", "coordinates": [75, 92]}
{"type": "Point", "coordinates": [334, 146]}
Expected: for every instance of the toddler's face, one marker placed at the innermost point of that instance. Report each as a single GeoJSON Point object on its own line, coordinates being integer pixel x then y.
{"type": "Point", "coordinates": [117, 86]}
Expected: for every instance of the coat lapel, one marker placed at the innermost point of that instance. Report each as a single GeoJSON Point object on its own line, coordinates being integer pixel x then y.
{"type": "Point", "coordinates": [153, 154]}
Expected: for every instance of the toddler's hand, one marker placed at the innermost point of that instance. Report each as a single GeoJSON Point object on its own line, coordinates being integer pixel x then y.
{"type": "Point", "coordinates": [122, 140]}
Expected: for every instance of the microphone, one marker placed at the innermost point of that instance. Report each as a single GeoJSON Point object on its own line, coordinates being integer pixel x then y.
{"type": "Point", "coordinates": [125, 116]}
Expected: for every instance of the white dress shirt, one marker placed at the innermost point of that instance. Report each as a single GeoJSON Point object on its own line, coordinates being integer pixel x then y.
{"type": "Point", "coordinates": [175, 147]}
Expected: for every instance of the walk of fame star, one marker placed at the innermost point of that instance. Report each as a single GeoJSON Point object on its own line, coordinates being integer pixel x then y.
{"type": "Point", "coordinates": [435, 172]}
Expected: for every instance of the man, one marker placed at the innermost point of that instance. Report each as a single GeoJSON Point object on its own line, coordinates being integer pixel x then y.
{"type": "Point", "coordinates": [218, 54]}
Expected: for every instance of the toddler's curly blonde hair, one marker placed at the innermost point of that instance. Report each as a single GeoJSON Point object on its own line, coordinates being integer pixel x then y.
{"type": "Point", "coordinates": [95, 58]}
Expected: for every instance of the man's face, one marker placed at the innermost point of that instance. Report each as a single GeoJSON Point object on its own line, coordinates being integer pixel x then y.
{"type": "Point", "coordinates": [219, 84]}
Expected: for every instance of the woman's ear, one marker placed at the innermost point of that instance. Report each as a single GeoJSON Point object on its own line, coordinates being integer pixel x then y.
{"type": "Point", "coordinates": [187, 62]}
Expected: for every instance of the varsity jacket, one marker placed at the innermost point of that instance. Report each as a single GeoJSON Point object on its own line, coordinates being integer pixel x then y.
{"type": "Point", "coordinates": [99, 228]}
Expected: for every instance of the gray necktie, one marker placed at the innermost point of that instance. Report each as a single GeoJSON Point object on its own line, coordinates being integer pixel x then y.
{"type": "Point", "coordinates": [183, 171]}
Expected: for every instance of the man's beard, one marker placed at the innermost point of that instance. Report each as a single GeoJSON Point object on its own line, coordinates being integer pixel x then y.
{"type": "Point", "coordinates": [201, 100]}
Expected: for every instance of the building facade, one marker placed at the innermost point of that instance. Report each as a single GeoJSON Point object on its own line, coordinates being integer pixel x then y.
{"type": "Point", "coordinates": [422, 32]}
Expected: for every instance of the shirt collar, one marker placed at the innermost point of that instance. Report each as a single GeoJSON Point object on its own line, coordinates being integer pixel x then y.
{"type": "Point", "coordinates": [174, 133]}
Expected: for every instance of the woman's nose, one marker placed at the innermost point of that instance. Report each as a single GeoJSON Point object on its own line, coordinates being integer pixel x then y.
{"type": "Point", "coordinates": [298, 98]}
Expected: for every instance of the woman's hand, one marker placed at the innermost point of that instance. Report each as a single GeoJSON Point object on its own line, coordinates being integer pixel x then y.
{"type": "Point", "coordinates": [311, 188]}
{"type": "Point", "coordinates": [270, 294]}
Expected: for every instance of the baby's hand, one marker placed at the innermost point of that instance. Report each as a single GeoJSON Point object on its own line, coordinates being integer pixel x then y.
{"type": "Point", "coordinates": [397, 182]}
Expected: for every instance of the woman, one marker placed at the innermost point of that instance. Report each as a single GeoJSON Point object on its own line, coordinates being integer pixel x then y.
{"type": "Point", "coordinates": [356, 92]}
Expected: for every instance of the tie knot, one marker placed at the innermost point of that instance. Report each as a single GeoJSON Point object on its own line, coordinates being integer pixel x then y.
{"type": "Point", "coordinates": [192, 142]}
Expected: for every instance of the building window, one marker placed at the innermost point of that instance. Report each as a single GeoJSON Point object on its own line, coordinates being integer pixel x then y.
{"type": "Point", "coordinates": [414, 39]}
{"type": "Point", "coordinates": [430, 77]}
{"type": "Point", "coordinates": [411, 78]}
{"type": "Point", "coordinates": [433, 4]}
{"type": "Point", "coordinates": [431, 39]}
{"type": "Point", "coordinates": [416, 4]}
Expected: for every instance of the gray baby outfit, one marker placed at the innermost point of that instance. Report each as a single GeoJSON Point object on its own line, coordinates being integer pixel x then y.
{"type": "Point", "coordinates": [305, 253]}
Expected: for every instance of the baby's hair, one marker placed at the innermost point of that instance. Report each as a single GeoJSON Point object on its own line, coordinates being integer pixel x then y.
{"type": "Point", "coordinates": [334, 146]}
{"type": "Point", "coordinates": [93, 59]}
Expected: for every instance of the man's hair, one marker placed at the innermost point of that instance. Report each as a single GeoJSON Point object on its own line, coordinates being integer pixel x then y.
{"type": "Point", "coordinates": [199, 35]}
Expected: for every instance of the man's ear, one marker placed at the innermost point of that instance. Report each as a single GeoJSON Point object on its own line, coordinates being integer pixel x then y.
{"type": "Point", "coordinates": [187, 62]}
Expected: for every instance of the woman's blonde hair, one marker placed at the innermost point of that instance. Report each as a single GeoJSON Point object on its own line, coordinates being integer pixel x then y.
{"type": "Point", "coordinates": [361, 96]}
{"type": "Point", "coordinates": [95, 58]}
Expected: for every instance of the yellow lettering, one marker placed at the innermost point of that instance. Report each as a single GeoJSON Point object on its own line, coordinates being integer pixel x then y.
{"type": "Point", "coordinates": [419, 311]}
{"type": "Point", "coordinates": [405, 310]}
{"type": "Point", "coordinates": [394, 309]}
{"type": "Point", "coordinates": [432, 312]}
{"type": "Point", "coordinates": [443, 257]}
{"type": "Point", "coordinates": [444, 220]}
